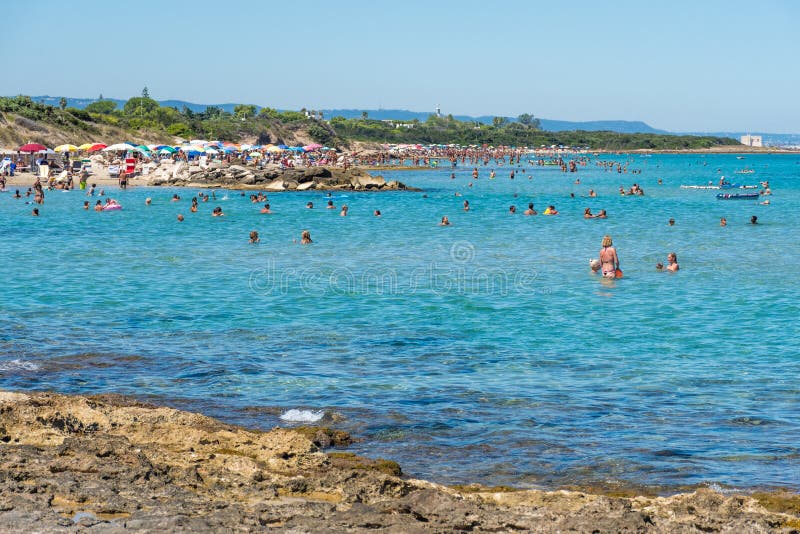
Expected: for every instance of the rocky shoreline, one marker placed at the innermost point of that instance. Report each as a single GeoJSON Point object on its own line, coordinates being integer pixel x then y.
{"type": "Point", "coordinates": [113, 464]}
{"type": "Point", "coordinates": [272, 178]}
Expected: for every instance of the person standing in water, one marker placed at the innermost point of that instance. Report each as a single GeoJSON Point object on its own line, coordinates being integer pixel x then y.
{"type": "Point", "coordinates": [608, 258]}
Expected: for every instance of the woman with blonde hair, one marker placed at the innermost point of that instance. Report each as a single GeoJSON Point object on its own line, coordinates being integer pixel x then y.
{"type": "Point", "coordinates": [608, 258]}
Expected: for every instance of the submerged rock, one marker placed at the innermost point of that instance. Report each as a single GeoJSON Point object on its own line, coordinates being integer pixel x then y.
{"type": "Point", "coordinates": [115, 464]}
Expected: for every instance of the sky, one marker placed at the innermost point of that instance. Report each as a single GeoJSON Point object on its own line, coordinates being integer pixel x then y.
{"type": "Point", "coordinates": [688, 66]}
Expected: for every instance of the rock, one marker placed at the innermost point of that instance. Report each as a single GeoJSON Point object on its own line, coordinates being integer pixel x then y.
{"type": "Point", "coordinates": [114, 464]}
{"type": "Point", "coordinates": [275, 185]}
{"type": "Point", "coordinates": [305, 186]}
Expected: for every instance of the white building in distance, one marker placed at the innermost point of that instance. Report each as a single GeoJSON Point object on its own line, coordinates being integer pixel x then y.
{"type": "Point", "coordinates": [751, 140]}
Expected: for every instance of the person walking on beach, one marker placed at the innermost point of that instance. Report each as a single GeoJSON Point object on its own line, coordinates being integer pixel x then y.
{"type": "Point", "coordinates": [608, 258]}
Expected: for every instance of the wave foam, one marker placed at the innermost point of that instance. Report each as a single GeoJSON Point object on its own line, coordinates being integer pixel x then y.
{"type": "Point", "coordinates": [303, 416]}
{"type": "Point", "coordinates": [19, 365]}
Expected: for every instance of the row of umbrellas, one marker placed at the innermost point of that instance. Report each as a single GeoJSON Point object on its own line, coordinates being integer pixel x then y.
{"type": "Point", "coordinates": [195, 147]}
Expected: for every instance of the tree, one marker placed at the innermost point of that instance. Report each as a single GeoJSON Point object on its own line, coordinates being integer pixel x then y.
{"type": "Point", "coordinates": [62, 103]}
{"type": "Point", "coordinates": [105, 107]}
{"type": "Point", "coordinates": [499, 121]}
{"type": "Point", "coordinates": [364, 115]}
{"type": "Point", "coordinates": [145, 92]}
{"type": "Point", "coordinates": [140, 106]}
{"type": "Point", "coordinates": [244, 110]}
{"type": "Point", "coordinates": [525, 118]}
{"type": "Point", "coordinates": [100, 97]}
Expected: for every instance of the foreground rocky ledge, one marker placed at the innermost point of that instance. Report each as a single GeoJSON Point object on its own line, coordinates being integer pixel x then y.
{"type": "Point", "coordinates": [109, 464]}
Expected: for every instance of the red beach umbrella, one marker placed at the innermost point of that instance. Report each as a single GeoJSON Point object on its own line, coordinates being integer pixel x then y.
{"type": "Point", "coordinates": [32, 147]}
{"type": "Point", "coordinates": [97, 146]}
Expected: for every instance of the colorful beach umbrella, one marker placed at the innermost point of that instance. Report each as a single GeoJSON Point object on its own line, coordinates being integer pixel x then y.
{"type": "Point", "coordinates": [86, 146]}
{"type": "Point", "coordinates": [32, 147]}
{"type": "Point", "coordinates": [119, 147]}
{"type": "Point", "coordinates": [66, 148]}
{"type": "Point", "coordinates": [97, 146]}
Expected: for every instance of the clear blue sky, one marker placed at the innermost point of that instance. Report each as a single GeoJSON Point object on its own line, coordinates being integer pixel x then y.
{"type": "Point", "coordinates": [702, 65]}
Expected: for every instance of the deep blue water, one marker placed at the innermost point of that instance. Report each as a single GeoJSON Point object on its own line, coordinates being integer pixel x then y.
{"type": "Point", "coordinates": [484, 351]}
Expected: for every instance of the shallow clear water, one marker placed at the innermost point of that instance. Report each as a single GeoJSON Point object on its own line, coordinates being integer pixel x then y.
{"type": "Point", "coordinates": [484, 351]}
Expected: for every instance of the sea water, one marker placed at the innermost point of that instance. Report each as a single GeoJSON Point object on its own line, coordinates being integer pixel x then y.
{"type": "Point", "coordinates": [485, 351]}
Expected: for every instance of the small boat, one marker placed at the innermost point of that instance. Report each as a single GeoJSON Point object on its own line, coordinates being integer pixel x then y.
{"type": "Point", "coordinates": [699, 187]}
{"type": "Point", "coordinates": [737, 196]}
{"type": "Point", "coordinates": [739, 157]}
{"type": "Point", "coordinates": [745, 171]}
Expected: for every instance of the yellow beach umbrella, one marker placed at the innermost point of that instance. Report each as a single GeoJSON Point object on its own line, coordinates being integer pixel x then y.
{"type": "Point", "coordinates": [66, 148]}
{"type": "Point", "coordinates": [86, 146]}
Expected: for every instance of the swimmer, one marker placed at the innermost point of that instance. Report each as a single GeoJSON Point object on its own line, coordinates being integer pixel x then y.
{"type": "Point", "coordinates": [466, 205]}
{"type": "Point", "coordinates": [343, 213]}
{"type": "Point", "coordinates": [148, 201]}
{"type": "Point", "coordinates": [217, 212]}
{"type": "Point", "coordinates": [180, 217]}
{"type": "Point", "coordinates": [594, 265]}
{"type": "Point", "coordinates": [310, 206]}
{"type": "Point", "coordinates": [445, 221]}
{"type": "Point", "coordinates": [98, 206]}
{"type": "Point", "coordinates": [723, 221]}
{"type": "Point", "coordinates": [17, 195]}
{"type": "Point", "coordinates": [305, 238]}
{"type": "Point", "coordinates": [254, 239]}
{"type": "Point", "coordinates": [672, 260]}
{"type": "Point", "coordinates": [551, 210]}
{"type": "Point", "coordinates": [330, 205]}
{"type": "Point", "coordinates": [35, 212]}
{"type": "Point", "coordinates": [592, 193]}
{"type": "Point", "coordinates": [377, 213]}
{"type": "Point", "coordinates": [175, 198]}
{"type": "Point", "coordinates": [86, 205]}
{"type": "Point", "coordinates": [608, 258]}
{"type": "Point", "coordinates": [530, 210]}
{"type": "Point", "coordinates": [265, 209]}
{"type": "Point", "coordinates": [587, 214]}
{"type": "Point", "coordinates": [601, 215]}
{"type": "Point", "coordinates": [672, 222]}
{"type": "Point", "coordinates": [512, 209]}
{"type": "Point", "coordinates": [753, 220]}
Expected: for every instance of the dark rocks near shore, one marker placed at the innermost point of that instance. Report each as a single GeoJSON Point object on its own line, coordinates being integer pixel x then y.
{"type": "Point", "coordinates": [112, 464]}
{"type": "Point", "coordinates": [275, 179]}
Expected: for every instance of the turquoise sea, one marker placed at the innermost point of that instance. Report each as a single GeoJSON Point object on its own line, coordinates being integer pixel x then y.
{"type": "Point", "coordinates": [481, 352]}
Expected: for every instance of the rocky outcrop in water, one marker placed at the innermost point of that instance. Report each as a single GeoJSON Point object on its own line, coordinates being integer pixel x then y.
{"type": "Point", "coordinates": [111, 464]}
{"type": "Point", "coordinates": [271, 178]}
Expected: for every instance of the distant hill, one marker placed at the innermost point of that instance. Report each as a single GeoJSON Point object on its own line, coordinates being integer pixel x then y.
{"type": "Point", "coordinates": [546, 124]}
{"type": "Point", "coordinates": [550, 125]}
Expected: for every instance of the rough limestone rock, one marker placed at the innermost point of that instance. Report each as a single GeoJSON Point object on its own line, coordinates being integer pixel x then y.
{"type": "Point", "coordinates": [112, 464]}
{"type": "Point", "coordinates": [275, 185]}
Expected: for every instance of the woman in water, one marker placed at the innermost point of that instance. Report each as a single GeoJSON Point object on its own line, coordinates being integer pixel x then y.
{"type": "Point", "coordinates": [254, 238]}
{"type": "Point", "coordinates": [445, 221]}
{"type": "Point", "coordinates": [608, 258]}
{"type": "Point", "coordinates": [672, 262]}
{"type": "Point", "coordinates": [587, 213]}
{"type": "Point", "coordinates": [343, 213]}
{"type": "Point", "coordinates": [305, 238]}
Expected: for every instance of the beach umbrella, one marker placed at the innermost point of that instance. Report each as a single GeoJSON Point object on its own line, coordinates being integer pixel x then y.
{"type": "Point", "coordinates": [66, 148]}
{"type": "Point", "coordinates": [86, 146]}
{"type": "Point", "coordinates": [96, 146]}
{"type": "Point", "coordinates": [119, 147]}
{"type": "Point", "coordinates": [210, 150]}
{"type": "Point", "coordinates": [246, 147]}
{"type": "Point", "coordinates": [229, 149]}
{"type": "Point", "coordinates": [32, 147]}
{"type": "Point", "coordinates": [274, 149]}
{"type": "Point", "coordinates": [166, 148]}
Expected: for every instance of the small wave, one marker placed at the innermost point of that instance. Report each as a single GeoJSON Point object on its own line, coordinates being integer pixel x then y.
{"type": "Point", "coordinates": [303, 416]}
{"type": "Point", "coordinates": [19, 365]}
